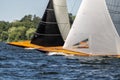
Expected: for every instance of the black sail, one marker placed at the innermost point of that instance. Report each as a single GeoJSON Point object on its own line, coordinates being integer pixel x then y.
{"type": "Point", "coordinates": [47, 33]}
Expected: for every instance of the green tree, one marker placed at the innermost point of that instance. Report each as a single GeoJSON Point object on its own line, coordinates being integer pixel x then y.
{"type": "Point", "coordinates": [4, 36]}
{"type": "Point", "coordinates": [30, 32]}
{"type": "Point", "coordinates": [71, 18]}
{"type": "Point", "coordinates": [36, 20]}
{"type": "Point", "coordinates": [20, 29]}
{"type": "Point", "coordinates": [16, 34]}
{"type": "Point", "coordinates": [26, 18]}
{"type": "Point", "coordinates": [4, 25]}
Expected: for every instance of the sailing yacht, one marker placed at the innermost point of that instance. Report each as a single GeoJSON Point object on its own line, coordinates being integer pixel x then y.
{"type": "Point", "coordinates": [97, 28]}
{"type": "Point", "coordinates": [95, 31]}
{"type": "Point", "coordinates": [52, 30]}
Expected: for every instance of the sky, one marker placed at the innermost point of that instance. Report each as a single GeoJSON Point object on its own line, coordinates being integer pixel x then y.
{"type": "Point", "coordinates": [11, 10]}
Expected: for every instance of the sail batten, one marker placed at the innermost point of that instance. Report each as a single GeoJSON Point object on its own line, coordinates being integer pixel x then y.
{"type": "Point", "coordinates": [94, 24]}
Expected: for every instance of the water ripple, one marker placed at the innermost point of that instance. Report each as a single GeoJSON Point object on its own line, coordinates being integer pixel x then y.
{"type": "Point", "coordinates": [21, 64]}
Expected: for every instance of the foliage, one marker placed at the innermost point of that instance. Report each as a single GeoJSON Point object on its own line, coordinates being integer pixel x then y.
{"type": "Point", "coordinates": [4, 36]}
{"type": "Point", "coordinates": [19, 30]}
{"type": "Point", "coordinates": [71, 18]}
{"type": "Point", "coordinates": [30, 32]}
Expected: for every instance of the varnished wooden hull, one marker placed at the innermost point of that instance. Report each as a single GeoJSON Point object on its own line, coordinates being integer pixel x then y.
{"type": "Point", "coordinates": [27, 44]}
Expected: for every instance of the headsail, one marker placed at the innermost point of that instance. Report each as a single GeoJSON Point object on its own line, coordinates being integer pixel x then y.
{"type": "Point", "coordinates": [49, 32]}
{"type": "Point", "coordinates": [94, 24]}
{"type": "Point", "coordinates": [62, 18]}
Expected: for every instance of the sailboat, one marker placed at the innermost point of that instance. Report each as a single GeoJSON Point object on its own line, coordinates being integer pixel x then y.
{"type": "Point", "coordinates": [52, 30]}
{"type": "Point", "coordinates": [97, 28]}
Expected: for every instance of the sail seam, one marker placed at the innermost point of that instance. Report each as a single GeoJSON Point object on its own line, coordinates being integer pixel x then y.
{"type": "Point", "coordinates": [47, 34]}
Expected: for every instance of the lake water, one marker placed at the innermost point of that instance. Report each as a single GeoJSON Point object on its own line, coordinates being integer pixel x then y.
{"type": "Point", "coordinates": [23, 64]}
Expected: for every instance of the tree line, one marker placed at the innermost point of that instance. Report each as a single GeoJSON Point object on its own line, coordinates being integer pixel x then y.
{"type": "Point", "coordinates": [22, 29]}
{"type": "Point", "coordinates": [17, 30]}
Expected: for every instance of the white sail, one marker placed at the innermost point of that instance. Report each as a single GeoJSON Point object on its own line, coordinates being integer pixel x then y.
{"type": "Point", "coordinates": [93, 31]}
{"type": "Point", "coordinates": [62, 18]}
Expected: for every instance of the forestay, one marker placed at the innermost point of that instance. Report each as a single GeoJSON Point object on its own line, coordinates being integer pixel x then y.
{"type": "Point", "coordinates": [93, 31]}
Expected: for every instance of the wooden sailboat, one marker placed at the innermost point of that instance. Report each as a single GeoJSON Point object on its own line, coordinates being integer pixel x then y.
{"type": "Point", "coordinates": [94, 31]}
{"type": "Point", "coordinates": [52, 30]}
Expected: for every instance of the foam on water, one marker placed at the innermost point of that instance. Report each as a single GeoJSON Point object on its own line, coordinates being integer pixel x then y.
{"type": "Point", "coordinates": [58, 53]}
{"type": "Point", "coordinates": [29, 48]}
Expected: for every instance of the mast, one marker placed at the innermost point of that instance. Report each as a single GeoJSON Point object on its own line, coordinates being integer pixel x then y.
{"type": "Point", "coordinates": [94, 29]}
{"type": "Point", "coordinates": [48, 33]}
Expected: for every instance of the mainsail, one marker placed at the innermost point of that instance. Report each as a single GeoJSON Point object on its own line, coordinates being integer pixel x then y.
{"type": "Point", "coordinates": [93, 30]}
{"type": "Point", "coordinates": [54, 26]}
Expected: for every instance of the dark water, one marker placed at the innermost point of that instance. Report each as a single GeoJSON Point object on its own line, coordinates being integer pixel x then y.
{"type": "Point", "coordinates": [20, 64]}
